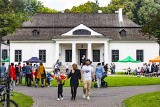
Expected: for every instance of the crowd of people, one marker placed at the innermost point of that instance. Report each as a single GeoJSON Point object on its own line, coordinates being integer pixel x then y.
{"type": "Point", "coordinates": [34, 73]}
{"type": "Point", "coordinates": [31, 74]}
{"type": "Point", "coordinates": [148, 70]}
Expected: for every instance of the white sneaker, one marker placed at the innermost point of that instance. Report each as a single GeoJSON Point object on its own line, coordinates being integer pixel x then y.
{"type": "Point", "coordinates": [88, 98]}
{"type": "Point", "coordinates": [48, 86]}
{"type": "Point", "coordinates": [62, 98]}
{"type": "Point", "coordinates": [58, 99]}
{"type": "Point", "coordinates": [84, 96]}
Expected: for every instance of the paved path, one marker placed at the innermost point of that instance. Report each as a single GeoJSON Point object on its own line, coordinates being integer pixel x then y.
{"type": "Point", "coordinates": [104, 97]}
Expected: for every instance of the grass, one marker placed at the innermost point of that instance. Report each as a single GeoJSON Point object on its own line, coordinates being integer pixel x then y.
{"type": "Point", "coordinates": [118, 80]}
{"type": "Point", "coordinates": [144, 100]}
{"type": "Point", "coordinates": [22, 100]}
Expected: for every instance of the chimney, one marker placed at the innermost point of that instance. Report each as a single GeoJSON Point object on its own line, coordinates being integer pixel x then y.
{"type": "Point", "coordinates": [100, 11]}
{"type": "Point", "coordinates": [120, 14]}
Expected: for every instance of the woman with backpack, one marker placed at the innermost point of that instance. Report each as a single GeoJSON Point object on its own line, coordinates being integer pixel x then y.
{"type": "Point", "coordinates": [99, 73]}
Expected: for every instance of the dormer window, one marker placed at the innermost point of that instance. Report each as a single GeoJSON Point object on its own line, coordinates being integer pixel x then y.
{"type": "Point", "coordinates": [81, 32]}
{"type": "Point", "coordinates": [122, 32]}
{"type": "Point", "coordinates": [35, 32]}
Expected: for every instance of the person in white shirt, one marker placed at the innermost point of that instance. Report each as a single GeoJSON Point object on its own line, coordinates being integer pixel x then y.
{"type": "Point", "coordinates": [87, 74]}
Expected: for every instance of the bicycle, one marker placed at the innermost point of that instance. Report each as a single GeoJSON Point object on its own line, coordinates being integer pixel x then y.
{"type": "Point", "coordinates": [4, 91]}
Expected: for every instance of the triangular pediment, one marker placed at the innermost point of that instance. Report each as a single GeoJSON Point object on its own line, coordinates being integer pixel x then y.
{"type": "Point", "coordinates": [81, 30]}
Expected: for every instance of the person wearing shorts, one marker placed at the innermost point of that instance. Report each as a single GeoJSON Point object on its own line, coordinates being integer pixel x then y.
{"type": "Point", "coordinates": [87, 74]}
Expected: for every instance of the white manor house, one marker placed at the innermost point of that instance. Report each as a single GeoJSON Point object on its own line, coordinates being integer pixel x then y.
{"type": "Point", "coordinates": [68, 36]}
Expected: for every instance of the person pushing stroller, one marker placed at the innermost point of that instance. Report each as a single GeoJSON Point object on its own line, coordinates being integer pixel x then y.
{"type": "Point", "coordinates": [100, 75]}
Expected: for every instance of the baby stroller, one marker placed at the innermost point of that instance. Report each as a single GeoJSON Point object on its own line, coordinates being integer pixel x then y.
{"type": "Point", "coordinates": [103, 82]}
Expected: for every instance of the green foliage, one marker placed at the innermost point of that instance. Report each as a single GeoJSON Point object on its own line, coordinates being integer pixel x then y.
{"type": "Point", "coordinates": [43, 9]}
{"type": "Point", "coordinates": [88, 7]}
{"type": "Point", "coordinates": [14, 12]}
{"type": "Point", "coordinates": [11, 15]}
{"type": "Point", "coordinates": [152, 27]}
{"type": "Point", "coordinates": [144, 100]}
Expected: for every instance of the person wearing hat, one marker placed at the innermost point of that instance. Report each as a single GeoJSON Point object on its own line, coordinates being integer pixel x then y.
{"type": "Point", "coordinates": [87, 74]}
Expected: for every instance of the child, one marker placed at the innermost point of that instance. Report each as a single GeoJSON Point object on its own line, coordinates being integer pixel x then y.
{"type": "Point", "coordinates": [48, 79]}
{"type": "Point", "coordinates": [60, 88]}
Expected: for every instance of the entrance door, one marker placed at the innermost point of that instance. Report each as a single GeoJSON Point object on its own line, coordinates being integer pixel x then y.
{"type": "Point", "coordinates": [81, 53]}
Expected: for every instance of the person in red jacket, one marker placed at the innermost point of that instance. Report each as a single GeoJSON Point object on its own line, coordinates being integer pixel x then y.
{"type": "Point", "coordinates": [13, 77]}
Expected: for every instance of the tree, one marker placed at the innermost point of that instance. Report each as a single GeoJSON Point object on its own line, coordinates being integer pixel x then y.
{"type": "Point", "coordinates": [11, 15]}
{"type": "Point", "coordinates": [88, 7]}
{"type": "Point", "coordinates": [152, 26]}
{"type": "Point", "coordinates": [14, 12]}
{"type": "Point", "coordinates": [143, 10]}
{"type": "Point", "coordinates": [43, 9]}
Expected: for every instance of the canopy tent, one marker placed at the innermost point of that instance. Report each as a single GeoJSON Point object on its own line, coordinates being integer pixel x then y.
{"type": "Point", "coordinates": [129, 59]}
{"type": "Point", "coordinates": [33, 60]}
{"type": "Point", "coordinates": [157, 59]}
{"type": "Point", "coordinates": [6, 60]}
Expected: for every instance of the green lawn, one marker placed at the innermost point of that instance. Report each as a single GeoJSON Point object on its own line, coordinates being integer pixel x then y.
{"type": "Point", "coordinates": [116, 81]}
{"type": "Point", "coordinates": [144, 100]}
{"type": "Point", "coordinates": [22, 100]}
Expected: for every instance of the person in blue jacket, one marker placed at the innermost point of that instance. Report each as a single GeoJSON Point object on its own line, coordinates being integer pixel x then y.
{"type": "Point", "coordinates": [99, 73]}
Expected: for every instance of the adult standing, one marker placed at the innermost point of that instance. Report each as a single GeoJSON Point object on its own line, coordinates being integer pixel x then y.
{"type": "Point", "coordinates": [99, 73]}
{"type": "Point", "coordinates": [113, 68]}
{"type": "Point", "coordinates": [40, 75]}
{"type": "Point", "coordinates": [87, 73]}
{"type": "Point", "coordinates": [28, 74]}
{"type": "Point", "coordinates": [56, 67]}
{"type": "Point", "coordinates": [21, 73]}
{"type": "Point", "coordinates": [13, 77]}
{"type": "Point", "coordinates": [75, 76]}
{"type": "Point", "coordinates": [2, 71]}
{"type": "Point", "coordinates": [24, 73]}
{"type": "Point", "coordinates": [83, 60]}
{"type": "Point", "coordinates": [106, 67]}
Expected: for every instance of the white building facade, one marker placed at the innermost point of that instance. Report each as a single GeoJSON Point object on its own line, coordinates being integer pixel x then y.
{"type": "Point", "coordinates": [67, 37]}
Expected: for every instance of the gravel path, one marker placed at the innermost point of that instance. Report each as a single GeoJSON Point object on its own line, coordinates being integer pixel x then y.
{"type": "Point", "coordinates": [104, 97]}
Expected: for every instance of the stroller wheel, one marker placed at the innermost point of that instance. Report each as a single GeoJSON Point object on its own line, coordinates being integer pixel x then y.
{"type": "Point", "coordinates": [95, 85]}
{"type": "Point", "coordinates": [106, 84]}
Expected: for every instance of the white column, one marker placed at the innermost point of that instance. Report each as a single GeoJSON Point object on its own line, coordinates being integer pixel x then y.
{"type": "Point", "coordinates": [89, 51]}
{"type": "Point", "coordinates": [106, 53]}
{"type": "Point", "coordinates": [57, 51]}
{"type": "Point", "coordinates": [73, 53]}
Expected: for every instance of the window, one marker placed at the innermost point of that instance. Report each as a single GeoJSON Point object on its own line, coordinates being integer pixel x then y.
{"type": "Point", "coordinates": [115, 55]}
{"type": "Point", "coordinates": [139, 55]}
{"type": "Point", "coordinates": [4, 54]}
{"type": "Point", "coordinates": [68, 56]}
{"type": "Point", "coordinates": [96, 55]}
{"type": "Point", "coordinates": [42, 55]}
{"type": "Point", "coordinates": [122, 32]}
{"type": "Point", "coordinates": [35, 32]}
{"type": "Point", "coordinates": [18, 55]}
{"type": "Point", "coordinates": [81, 32]}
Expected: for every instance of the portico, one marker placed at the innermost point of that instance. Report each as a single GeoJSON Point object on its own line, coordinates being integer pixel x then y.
{"type": "Point", "coordinates": [71, 51]}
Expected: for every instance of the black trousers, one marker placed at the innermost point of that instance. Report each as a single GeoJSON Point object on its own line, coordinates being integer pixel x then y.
{"type": "Point", "coordinates": [60, 94]}
{"type": "Point", "coordinates": [42, 81]}
{"type": "Point", "coordinates": [28, 79]}
{"type": "Point", "coordinates": [73, 92]}
{"type": "Point", "coordinates": [60, 91]}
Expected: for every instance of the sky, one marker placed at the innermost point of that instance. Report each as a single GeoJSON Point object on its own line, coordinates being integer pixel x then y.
{"type": "Point", "coordinates": [68, 4]}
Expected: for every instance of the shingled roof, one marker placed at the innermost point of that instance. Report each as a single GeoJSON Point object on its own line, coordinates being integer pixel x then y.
{"type": "Point", "coordinates": [54, 25]}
